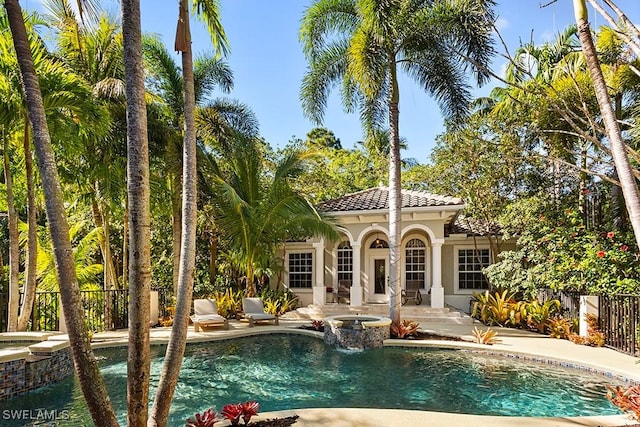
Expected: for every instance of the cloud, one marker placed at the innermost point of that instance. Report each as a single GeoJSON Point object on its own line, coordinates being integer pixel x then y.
{"type": "Point", "coordinates": [502, 24]}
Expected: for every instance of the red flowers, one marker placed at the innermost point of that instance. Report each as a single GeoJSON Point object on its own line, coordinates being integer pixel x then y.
{"type": "Point", "coordinates": [206, 419]}
{"type": "Point", "coordinates": [234, 411]}
{"type": "Point", "coordinates": [600, 254]}
{"type": "Point", "coordinates": [624, 248]}
{"type": "Point", "coordinates": [610, 235]}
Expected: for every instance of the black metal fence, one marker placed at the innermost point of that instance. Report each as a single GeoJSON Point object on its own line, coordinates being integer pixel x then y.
{"type": "Point", "coordinates": [620, 322]}
{"type": "Point", "coordinates": [570, 301]}
{"type": "Point", "coordinates": [103, 310]}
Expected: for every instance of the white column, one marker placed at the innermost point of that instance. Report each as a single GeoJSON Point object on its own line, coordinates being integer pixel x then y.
{"type": "Point", "coordinates": [319, 291]}
{"type": "Point", "coordinates": [437, 291]}
{"type": "Point", "coordinates": [589, 304]}
{"type": "Point", "coordinates": [356, 287]}
{"type": "Point", "coordinates": [155, 308]}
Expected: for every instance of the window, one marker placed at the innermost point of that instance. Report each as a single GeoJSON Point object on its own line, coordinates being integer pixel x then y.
{"type": "Point", "coordinates": [470, 265]}
{"type": "Point", "coordinates": [345, 262]}
{"type": "Point", "coordinates": [301, 270]}
{"type": "Point", "coordinates": [415, 261]}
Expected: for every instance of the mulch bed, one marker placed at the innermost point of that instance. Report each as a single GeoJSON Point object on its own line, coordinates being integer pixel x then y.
{"type": "Point", "coordinates": [432, 336]}
{"type": "Point", "coordinates": [276, 422]}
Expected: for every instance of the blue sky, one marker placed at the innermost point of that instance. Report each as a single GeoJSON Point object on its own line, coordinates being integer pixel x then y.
{"type": "Point", "coordinates": [268, 63]}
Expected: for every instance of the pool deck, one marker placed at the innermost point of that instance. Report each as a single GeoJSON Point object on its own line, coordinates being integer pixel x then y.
{"type": "Point", "coordinates": [515, 342]}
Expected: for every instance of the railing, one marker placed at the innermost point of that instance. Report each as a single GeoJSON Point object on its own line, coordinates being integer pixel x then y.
{"type": "Point", "coordinates": [569, 301]}
{"type": "Point", "coordinates": [103, 310]}
{"type": "Point", "coordinates": [620, 322]}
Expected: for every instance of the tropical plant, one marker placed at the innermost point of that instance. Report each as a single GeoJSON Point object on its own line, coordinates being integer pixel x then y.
{"type": "Point", "coordinates": [363, 45]}
{"type": "Point", "coordinates": [404, 329]}
{"type": "Point", "coordinates": [207, 418]}
{"type": "Point", "coordinates": [229, 303]}
{"type": "Point", "coordinates": [318, 325]}
{"type": "Point", "coordinates": [485, 337]}
{"type": "Point", "coordinates": [233, 412]}
{"type": "Point", "coordinates": [559, 327]}
{"type": "Point", "coordinates": [540, 314]}
{"type": "Point", "coordinates": [614, 135]}
{"type": "Point", "coordinates": [626, 398]}
{"type": "Point", "coordinates": [256, 211]}
{"type": "Point", "coordinates": [494, 309]}
{"type": "Point", "coordinates": [87, 369]}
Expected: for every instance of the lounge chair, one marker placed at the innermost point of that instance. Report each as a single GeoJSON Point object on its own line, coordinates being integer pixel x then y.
{"type": "Point", "coordinates": [343, 294]}
{"type": "Point", "coordinates": [254, 311]}
{"type": "Point", "coordinates": [206, 314]}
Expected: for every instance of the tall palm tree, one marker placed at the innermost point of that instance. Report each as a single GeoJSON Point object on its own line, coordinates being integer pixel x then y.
{"type": "Point", "coordinates": [257, 210]}
{"type": "Point", "coordinates": [138, 358]}
{"type": "Point", "coordinates": [618, 150]}
{"type": "Point", "coordinates": [167, 81]}
{"type": "Point", "coordinates": [364, 45]}
{"type": "Point", "coordinates": [209, 10]}
{"type": "Point", "coordinates": [87, 369]}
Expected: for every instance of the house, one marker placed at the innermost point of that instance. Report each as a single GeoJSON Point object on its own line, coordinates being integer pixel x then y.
{"type": "Point", "coordinates": [440, 255]}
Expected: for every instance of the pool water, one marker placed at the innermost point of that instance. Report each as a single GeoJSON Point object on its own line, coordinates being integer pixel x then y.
{"type": "Point", "coordinates": [289, 372]}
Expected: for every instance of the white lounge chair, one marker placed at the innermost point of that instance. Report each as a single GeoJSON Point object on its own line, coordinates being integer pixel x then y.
{"type": "Point", "coordinates": [206, 314]}
{"type": "Point", "coordinates": [254, 311]}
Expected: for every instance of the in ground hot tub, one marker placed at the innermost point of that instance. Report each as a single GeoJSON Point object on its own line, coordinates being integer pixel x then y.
{"type": "Point", "coordinates": [356, 332]}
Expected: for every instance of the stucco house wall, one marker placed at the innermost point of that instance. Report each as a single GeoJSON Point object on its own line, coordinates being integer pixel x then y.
{"type": "Point", "coordinates": [433, 240]}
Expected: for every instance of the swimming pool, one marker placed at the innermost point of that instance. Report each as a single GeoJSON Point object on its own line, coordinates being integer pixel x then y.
{"type": "Point", "coordinates": [289, 372]}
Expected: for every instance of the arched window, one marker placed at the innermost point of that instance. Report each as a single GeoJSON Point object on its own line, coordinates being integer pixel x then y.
{"type": "Point", "coordinates": [379, 244]}
{"type": "Point", "coordinates": [415, 262]}
{"type": "Point", "coordinates": [345, 262]}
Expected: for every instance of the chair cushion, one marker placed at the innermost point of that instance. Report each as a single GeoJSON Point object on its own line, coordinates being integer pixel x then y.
{"type": "Point", "coordinates": [260, 316]}
{"type": "Point", "coordinates": [208, 318]}
{"type": "Point", "coordinates": [205, 306]}
{"type": "Point", "coordinates": [252, 305]}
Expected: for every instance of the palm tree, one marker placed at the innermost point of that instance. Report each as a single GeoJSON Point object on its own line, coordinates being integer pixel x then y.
{"type": "Point", "coordinates": [365, 44]}
{"type": "Point", "coordinates": [257, 210]}
{"type": "Point", "coordinates": [618, 150]}
{"type": "Point", "coordinates": [87, 369]}
{"type": "Point", "coordinates": [94, 50]}
{"type": "Point", "coordinates": [166, 80]}
{"type": "Point", "coordinates": [209, 10]}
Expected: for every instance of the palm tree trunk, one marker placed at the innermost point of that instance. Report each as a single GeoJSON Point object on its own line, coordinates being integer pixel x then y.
{"type": "Point", "coordinates": [395, 200]}
{"type": "Point", "coordinates": [178, 340]}
{"type": "Point", "coordinates": [618, 151]}
{"type": "Point", "coordinates": [14, 248]}
{"type": "Point", "coordinates": [104, 249]}
{"type": "Point", "coordinates": [213, 256]}
{"type": "Point", "coordinates": [125, 246]}
{"type": "Point", "coordinates": [176, 228]}
{"type": "Point", "coordinates": [32, 238]}
{"type": "Point", "coordinates": [138, 359]}
{"type": "Point", "coordinates": [91, 382]}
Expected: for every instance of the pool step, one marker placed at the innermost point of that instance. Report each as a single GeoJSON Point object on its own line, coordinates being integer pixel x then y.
{"type": "Point", "coordinates": [420, 314]}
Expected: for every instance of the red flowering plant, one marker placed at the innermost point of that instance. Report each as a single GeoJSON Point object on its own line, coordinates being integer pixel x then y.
{"type": "Point", "coordinates": [207, 418]}
{"type": "Point", "coordinates": [557, 250]}
{"type": "Point", "coordinates": [626, 398]}
{"type": "Point", "coordinates": [232, 412]}
{"type": "Point", "coordinates": [246, 410]}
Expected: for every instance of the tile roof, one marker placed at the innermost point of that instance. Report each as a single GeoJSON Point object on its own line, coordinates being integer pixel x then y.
{"type": "Point", "coordinates": [378, 198]}
{"type": "Point", "coordinates": [472, 226]}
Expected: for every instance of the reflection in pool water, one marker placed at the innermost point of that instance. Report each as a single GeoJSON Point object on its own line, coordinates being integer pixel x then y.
{"type": "Point", "coordinates": [289, 372]}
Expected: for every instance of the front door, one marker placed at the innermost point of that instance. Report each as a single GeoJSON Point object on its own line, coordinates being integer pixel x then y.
{"type": "Point", "coordinates": [378, 279]}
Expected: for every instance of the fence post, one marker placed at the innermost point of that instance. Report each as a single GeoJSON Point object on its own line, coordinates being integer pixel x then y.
{"type": "Point", "coordinates": [155, 308]}
{"type": "Point", "coordinates": [588, 305]}
{"type": "Point", "coordinates": [62, 323]}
